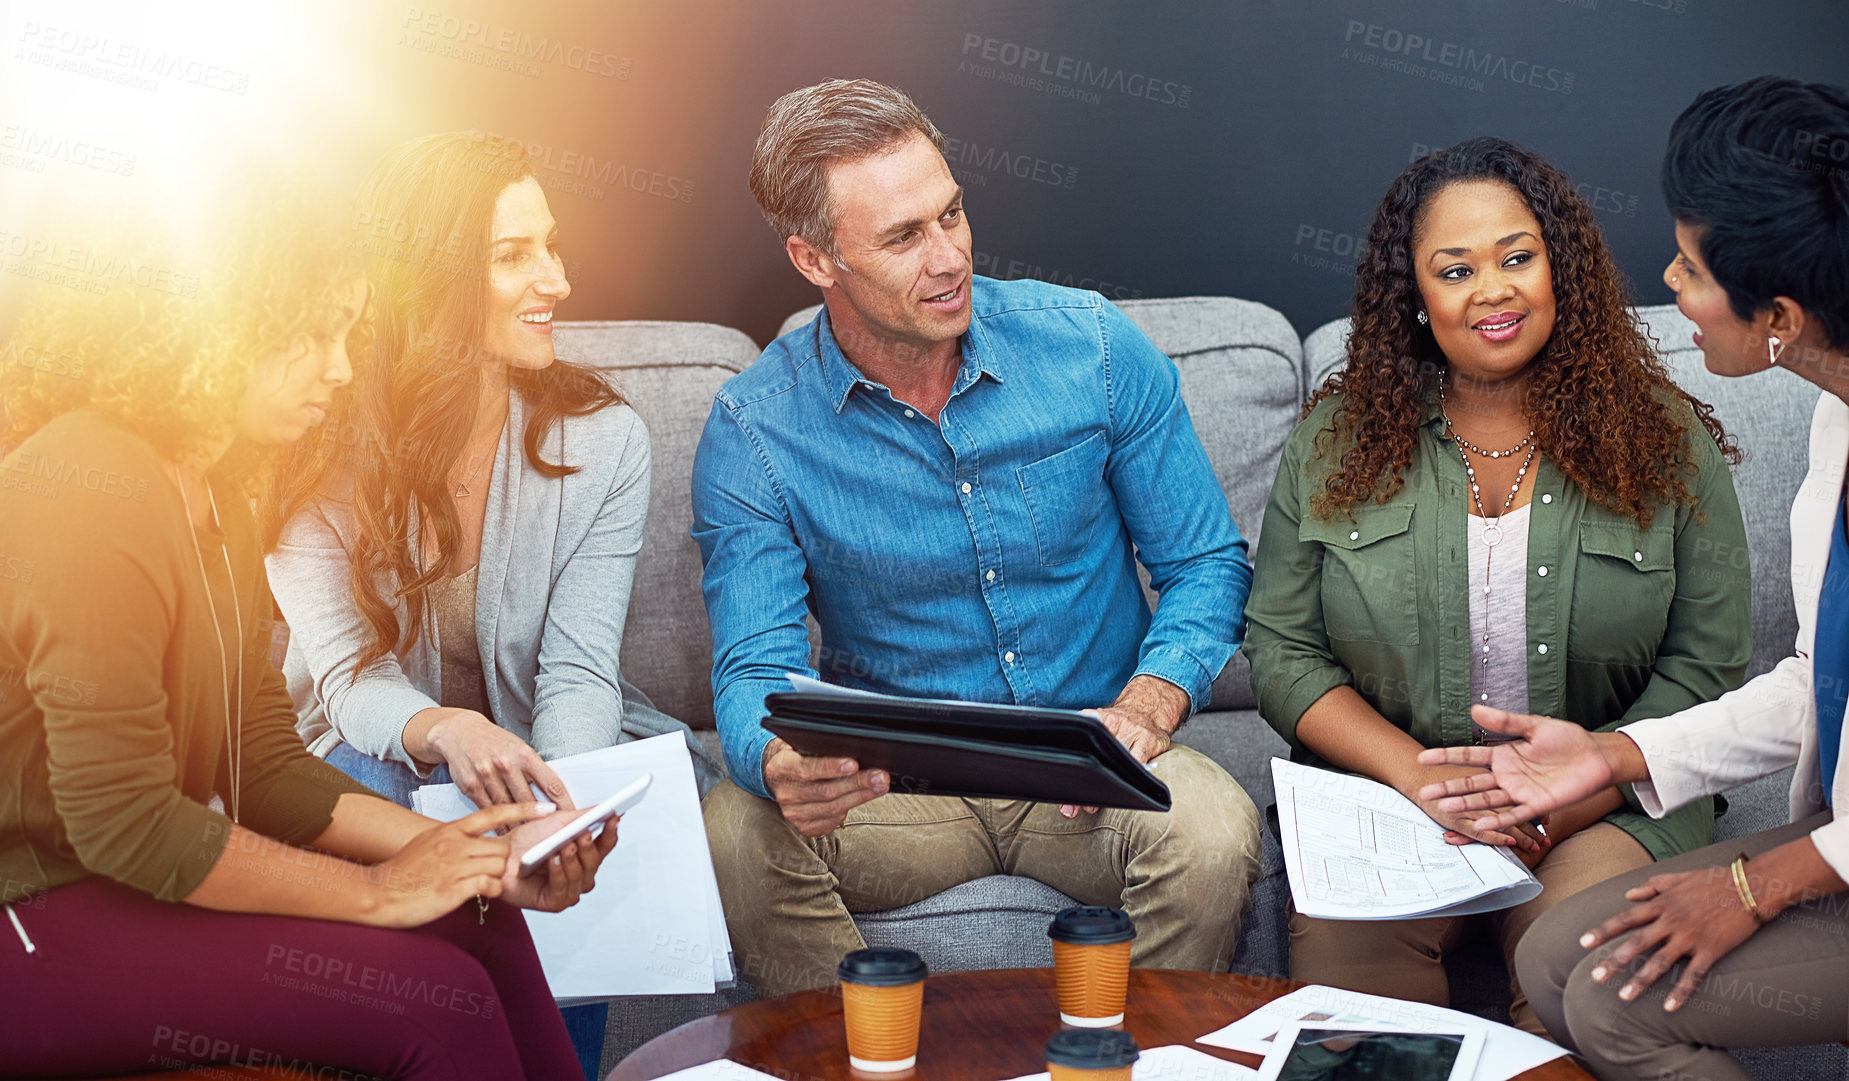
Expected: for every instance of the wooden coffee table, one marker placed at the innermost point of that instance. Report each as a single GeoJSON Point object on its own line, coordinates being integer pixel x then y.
{"type": "Point", "coordinates": [978, 1026]}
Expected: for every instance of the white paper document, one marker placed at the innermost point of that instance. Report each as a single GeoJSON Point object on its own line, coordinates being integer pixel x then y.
{"type": "Point", "coordinates": [1506, 1051]}
{"type": "Point", "coordinates": [653, 925]}
{"type": "Point", "coordinates": [1172, 1063]}
{"type": "Point", "coordinates": [1355, 849]}
{"type": "Point", "coordinates": [723, 1069]}
{"type": "Point", "coordinates": [811, 685]}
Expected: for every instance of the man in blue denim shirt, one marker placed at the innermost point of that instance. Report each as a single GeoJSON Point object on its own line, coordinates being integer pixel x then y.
{"type": "Point", "coordinates": [956, 476]}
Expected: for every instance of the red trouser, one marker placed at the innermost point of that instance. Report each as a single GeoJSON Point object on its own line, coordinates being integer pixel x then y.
{"type": "Point", "coordinates": [122, 983]}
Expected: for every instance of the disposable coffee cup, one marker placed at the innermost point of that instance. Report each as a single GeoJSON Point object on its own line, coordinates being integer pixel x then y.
{"type": "Point", "coordinates": [1090, 1054]}
{"type": "Point", "coordinates": [1091, 964]}
{"type": "Point", "coordinates": [882, 996]}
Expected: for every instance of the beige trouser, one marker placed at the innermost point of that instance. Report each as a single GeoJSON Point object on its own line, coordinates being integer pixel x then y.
{"type": "Point", "coordinates": [1183, 876]}
{"type": "Point", "coordinates": [1787, 985]}
{"type": "Point", "coordinates": [1405, 958]}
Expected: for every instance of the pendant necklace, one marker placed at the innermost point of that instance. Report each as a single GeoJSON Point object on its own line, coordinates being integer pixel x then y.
{"type": "Point", "coordinates": [1492, 527]}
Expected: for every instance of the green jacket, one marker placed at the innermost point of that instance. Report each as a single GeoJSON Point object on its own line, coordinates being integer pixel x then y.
{"type": "Point", "coordinates": [1624, 623]}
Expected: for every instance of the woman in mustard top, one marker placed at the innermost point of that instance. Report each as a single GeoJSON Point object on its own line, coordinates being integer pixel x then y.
{"type": "Point", "coordinates": [183, 883]}
{"type": "Point", "coordinates": [1501, 498]}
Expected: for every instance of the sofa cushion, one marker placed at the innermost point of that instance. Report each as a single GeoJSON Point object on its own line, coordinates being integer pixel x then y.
{"type": "Point", "coordinates": [669, 373]}
{"type": "Point", "coordinates": [1242, 378]}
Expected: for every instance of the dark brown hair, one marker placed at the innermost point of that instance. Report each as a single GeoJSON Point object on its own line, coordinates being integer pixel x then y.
{"type": "Point", "coordinates": [1600, 400]}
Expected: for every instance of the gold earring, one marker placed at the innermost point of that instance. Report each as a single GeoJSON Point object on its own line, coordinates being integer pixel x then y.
{"type": "Point", "coordinates": [1774, 348]}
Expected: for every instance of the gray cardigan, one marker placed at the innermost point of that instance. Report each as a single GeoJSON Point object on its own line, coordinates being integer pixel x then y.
{"type": "Point", "coordinates": [552, 593]}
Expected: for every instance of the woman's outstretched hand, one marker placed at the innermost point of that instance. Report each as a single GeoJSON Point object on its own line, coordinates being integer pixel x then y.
{"type": "Point", "coordinates": [1549, 765]}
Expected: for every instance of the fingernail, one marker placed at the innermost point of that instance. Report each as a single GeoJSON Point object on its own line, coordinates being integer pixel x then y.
{"type": "Point", "coordinates": [1586, 940]}
{"type": "Point", "coordinates": [880, 782]}
{"type": "Point", "coordinates": [1599, 974]}
{"type": "Point", "coordinates": [1671, 1004]}
{"type": "Point", "coordinates": [545, 807]}
{"type": "Point", "coordinates": [847, 767]}
{"type": "Point", "coordinates": [1628, 993]}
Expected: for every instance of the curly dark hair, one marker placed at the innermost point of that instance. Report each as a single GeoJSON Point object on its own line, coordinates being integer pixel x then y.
{"type": "Point", "coordinates": [1601, 402]}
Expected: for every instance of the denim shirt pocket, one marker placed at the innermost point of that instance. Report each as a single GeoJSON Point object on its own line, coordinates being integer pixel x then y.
{"type": "Point", "coordinates": [1622, 590]}
{"type": "Point", "coordinates": [1065, 494]}
{"type": "Point", "coordinates": [1369, 592]}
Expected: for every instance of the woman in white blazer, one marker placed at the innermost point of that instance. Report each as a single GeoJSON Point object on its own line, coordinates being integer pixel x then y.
{"type": "Point", "coordinates": [454, 556]}
{"type": "Point", "coordinates": [1752, 934]}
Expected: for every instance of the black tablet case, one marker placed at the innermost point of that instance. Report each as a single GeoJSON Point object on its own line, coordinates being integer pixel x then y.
{"type": "Point", "coordinates": [938, 748]}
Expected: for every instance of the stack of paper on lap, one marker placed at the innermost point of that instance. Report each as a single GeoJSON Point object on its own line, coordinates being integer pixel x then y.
{"type": "Point", "coordinates": [1355, 849]}
{"type": "Point", "coordinates": [652, 925]}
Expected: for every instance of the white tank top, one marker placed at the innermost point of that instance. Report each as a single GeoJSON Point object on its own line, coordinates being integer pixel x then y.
{"type": "Point", "coordinates": [1503, 682]}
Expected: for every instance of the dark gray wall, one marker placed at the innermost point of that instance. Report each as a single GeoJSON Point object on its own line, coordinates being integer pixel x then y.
{"type": "Point", "coordinates": [1149, 148]}
{"type": "Point", "coordinates": [1142, 149]}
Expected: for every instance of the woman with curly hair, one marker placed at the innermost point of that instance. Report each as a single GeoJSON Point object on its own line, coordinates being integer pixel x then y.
{"type": "Point", "coordinates": [1501, 498]}
{"type": "Point", "coordinates": [457, 556]}
{"type": "Point", "coordinates": [183, 883]}
{"type": "Point", "coordinates": [1656, 973]}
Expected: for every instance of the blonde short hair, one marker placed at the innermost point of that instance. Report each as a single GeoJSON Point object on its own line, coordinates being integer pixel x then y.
{"type": "Point", "coordinates": [809, 129]}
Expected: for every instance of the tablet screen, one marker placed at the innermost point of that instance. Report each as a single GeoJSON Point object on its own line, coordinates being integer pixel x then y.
{"type": "Point", "coordinates": [1350, 1055]}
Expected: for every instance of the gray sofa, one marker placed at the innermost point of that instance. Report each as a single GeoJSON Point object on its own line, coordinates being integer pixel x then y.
{"type": "Point", "coordinates": [1244, 374]}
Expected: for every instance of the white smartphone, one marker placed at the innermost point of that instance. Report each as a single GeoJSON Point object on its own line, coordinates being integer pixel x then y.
{"type": "Point", "coordinates": [614, 807]}
{"type": "Point", "coordinates": [1333, 1050]}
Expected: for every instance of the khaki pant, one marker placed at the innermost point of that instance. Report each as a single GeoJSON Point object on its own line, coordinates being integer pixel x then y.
{"type": "Point", "coordinates": [1405, 958]}
{"type": "Point", "coordinates": [1183, 876]}
{"type": "Point", "coordinates": [1785, 986]}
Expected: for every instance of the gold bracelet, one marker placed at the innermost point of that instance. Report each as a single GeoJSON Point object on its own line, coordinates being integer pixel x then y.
{"type": "Point", "coordinates": [1746, 890]}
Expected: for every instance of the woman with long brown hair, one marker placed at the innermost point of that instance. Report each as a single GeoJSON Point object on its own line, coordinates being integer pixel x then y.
{"type": "Point", "coordinates": [457, 555]}
{"type": "Point", "coordinates": [1501, 498]}
{"type": "Point", "coordinates": [183, 883]}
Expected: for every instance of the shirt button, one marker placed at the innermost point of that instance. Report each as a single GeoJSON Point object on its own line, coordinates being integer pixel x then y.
{"type": "Point", "coordinates": [1547, 498]}
{"type": "Point", "coordinates": [1008, 656]}
{"type": "Point", "coordinates": [909, 413]}
{"type": "Point", "coordinates": [1638, 556]}
{"type": "Point", "coordinates": [1542, 647]}
{"type": "Point", "coordinates": [1356, 535]}
{"type": "Point", "coordinates": [966, 487]}
{"type": "Point", "coordinates": [990, 576]}
{"type": "Point", "coordinates": [1542, 571]}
